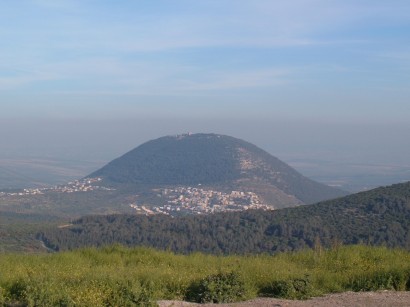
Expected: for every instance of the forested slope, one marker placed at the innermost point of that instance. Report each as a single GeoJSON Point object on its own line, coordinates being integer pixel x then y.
{"type": "Point", "coordinates": [377, 217]}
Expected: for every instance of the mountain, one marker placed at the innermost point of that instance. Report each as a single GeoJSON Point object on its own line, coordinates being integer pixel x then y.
{"type": "Point", "coordinates": [377, 217]}
{"type": "Point", "coordinates": [217, 162]}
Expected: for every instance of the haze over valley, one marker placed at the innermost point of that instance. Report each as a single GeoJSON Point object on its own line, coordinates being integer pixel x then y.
{"type": "Point", "coordinates": [354, 157]}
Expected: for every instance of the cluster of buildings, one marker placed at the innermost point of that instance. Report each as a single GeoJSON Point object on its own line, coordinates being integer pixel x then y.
{"type": "Point", "coordinates": [83, 185]}
{"type": "Point", "coordinates": [25, 192]}
{"type": "Point", "coordinates": [189, 200]}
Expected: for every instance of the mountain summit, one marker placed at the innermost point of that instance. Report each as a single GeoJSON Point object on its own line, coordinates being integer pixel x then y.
{"type": "Point", "coordinates": [215, 161]}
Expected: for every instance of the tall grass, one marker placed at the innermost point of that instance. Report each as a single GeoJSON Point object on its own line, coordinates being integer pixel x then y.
{"type": "Point", "coordinates": [118, 276]}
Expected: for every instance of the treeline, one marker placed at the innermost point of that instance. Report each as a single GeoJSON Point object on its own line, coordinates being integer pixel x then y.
{"type": "Point", "coordinates": [377, 217]}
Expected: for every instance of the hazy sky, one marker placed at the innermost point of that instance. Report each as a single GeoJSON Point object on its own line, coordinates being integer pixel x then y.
{"type": "Point", "coordinates": [300, 58]}
{"type": "Point", "coordinates": [320, 71]}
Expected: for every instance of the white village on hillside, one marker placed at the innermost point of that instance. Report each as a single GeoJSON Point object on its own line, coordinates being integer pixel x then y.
{"type": "Point", "coordinates": [183, 200]}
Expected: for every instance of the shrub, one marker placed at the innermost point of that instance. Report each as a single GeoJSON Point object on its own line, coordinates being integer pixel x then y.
{"type": "Point", "coordinates": [43, 296]}
{"type": "Point", "coordinates": [126, 293]}
{"type": "Point", "coordinates": [298, 288]}
{"type": "Point", "coordinates": [2, 296]}
{"type": "Point", "coordinates": [219, 288]}
{"type": "Point", "coordinates": [380, 280]}
{"type": "Point", "coordinates": [36, 293]}
{"type": "Point", "coordinates": [408, 282]}
{"type": "Point", "coordinates": [18, 290]}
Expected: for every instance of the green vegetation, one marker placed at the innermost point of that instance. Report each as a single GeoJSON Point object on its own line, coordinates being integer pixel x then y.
{"type": "Point", "coordinates": [118, 276]}
{"type": "Point", "coordinates": [377, 217]}
{"type": "Point", "coordinates": [18, 231]}
{"type": "Point", "coordinates": [20, 239]}
{"type": "Point", "coordinates": [217, 288]}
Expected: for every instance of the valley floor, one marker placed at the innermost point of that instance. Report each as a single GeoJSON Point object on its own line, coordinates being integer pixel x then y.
{"type": "Point", "coordinates": [358, 299]}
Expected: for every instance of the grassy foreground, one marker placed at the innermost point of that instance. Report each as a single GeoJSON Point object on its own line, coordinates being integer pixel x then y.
{"type": "Point", "coordinates": [118, 276]}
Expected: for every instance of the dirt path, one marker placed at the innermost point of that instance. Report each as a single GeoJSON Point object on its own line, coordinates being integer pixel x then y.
{"type": "Point", "coordinates": [380, 298]}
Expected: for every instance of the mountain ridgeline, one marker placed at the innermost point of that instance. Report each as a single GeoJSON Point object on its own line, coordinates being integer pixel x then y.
{"type": "Point", "coordinates": [376, 217]}
{"type": "Point", "coordinates": [215, 161]}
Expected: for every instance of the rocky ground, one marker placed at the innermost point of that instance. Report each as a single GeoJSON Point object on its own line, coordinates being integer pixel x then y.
{"type": "Point", "coordinates": [378, 299]}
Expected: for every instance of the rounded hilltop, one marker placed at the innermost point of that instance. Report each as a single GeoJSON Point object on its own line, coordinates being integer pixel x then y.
{"type": "Point", "coordinates": [187, 159]}
{"type": "Point", "coordinates": [214, 160]}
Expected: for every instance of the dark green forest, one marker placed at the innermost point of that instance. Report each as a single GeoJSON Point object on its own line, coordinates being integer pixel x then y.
{"type": "Point", "coordinates": [377, 217]}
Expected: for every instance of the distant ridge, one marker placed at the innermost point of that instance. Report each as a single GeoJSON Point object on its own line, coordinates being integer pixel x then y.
{"type": "Point", "coordinates": [216, 161]}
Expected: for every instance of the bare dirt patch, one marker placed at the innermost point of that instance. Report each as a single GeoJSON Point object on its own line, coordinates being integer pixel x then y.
{"type": "Point", "coordinates": [379, 298]}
